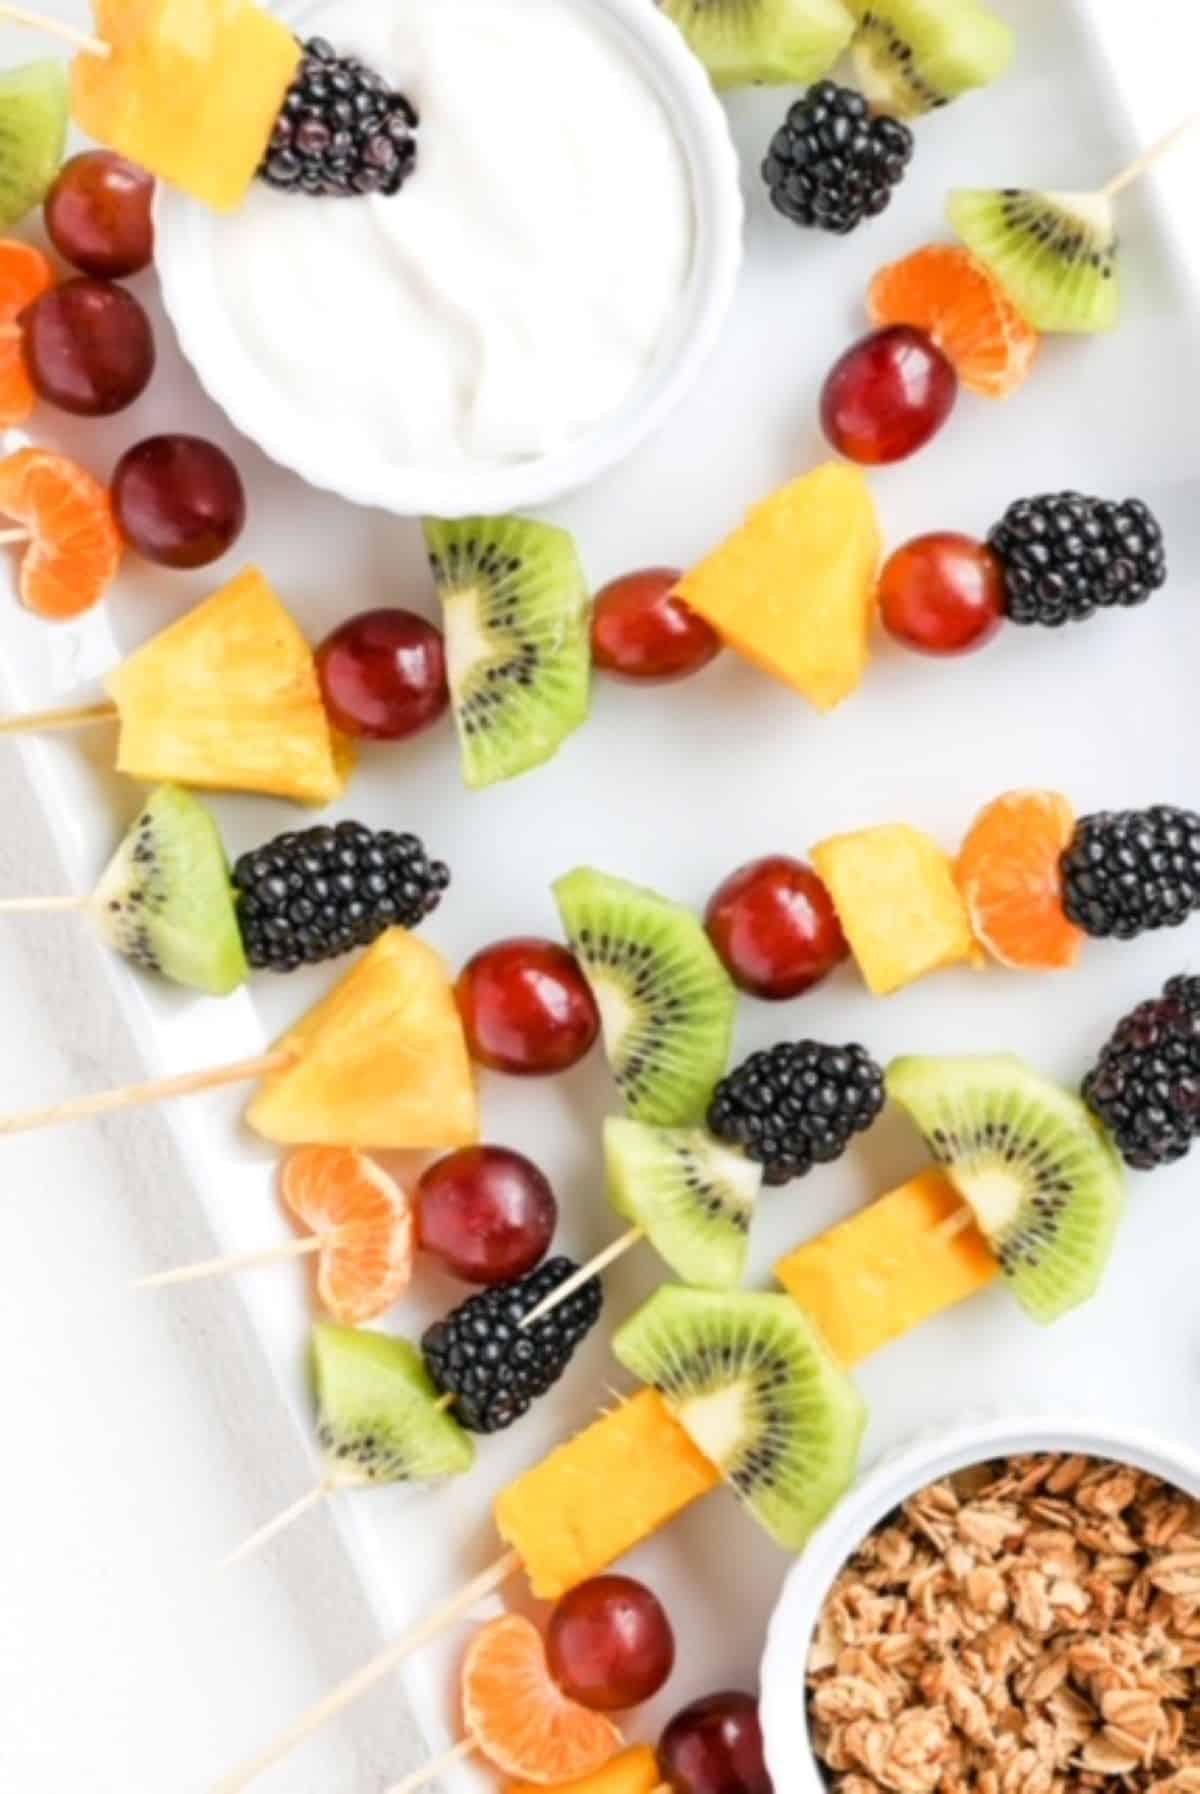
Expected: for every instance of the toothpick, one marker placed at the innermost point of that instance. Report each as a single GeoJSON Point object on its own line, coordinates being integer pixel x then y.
{"type": "Point", "coordinates": [954, 1224]}
{"type": "Point", "coordinates": [17, 906]}
{"type": "Point", "coordinates": [272, 1528]}
{"type": "Point", "coordinates": [69, 34]}
{"type": "Point", "coordinates": [75, 717]}
{"type": "Point", "coordinates": [13, 535]}
{"type": "Point", "coordinates": [584, 1274]}
{"type": "Point", "coordinates": [1149, 157]}
{"type": "Point", "coordinates": [132, 1096]}
{"type": "Point", "coordinates": [465, 1747]}
{"type": "Point", "coordinates": [236, 1261]}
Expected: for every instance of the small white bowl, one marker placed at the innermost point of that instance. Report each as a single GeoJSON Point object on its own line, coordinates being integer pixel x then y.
{"type": "Point", "coordinates": [784, 1708]}
{"type": "Point", "coordinates": [196, 306]}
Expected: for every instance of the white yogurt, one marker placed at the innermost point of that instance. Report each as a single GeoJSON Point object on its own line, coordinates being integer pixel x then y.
{"type": "Point", "coordinates": [522, 283]}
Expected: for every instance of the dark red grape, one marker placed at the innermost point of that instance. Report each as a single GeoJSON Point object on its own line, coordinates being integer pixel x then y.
{"type": "Point", "coordinates": [887, 395]}
{"type": "Point", "coordinates": [643, 631]}
{"type": "Point", "coordinates": [88, 346]}
{"type": "Point", "coordinates": [774, 925]}
{"type": "Point", "coordinates": [609, 1644]}
{"type": "Point", "coordinates": [178, 500]}
{"type": "Point", "coordinates": [383, 675]}
{"type": "Point", "coordinates": [527, 1008]}
{"type": "Point", "coordinates": [98, 214]}
{"type": "Point", "coordinates": [715, 1746]}
{"type": "Point", "coordinates": [486, 1212]}
{"type": "Point", "coordinates": [942, 593]}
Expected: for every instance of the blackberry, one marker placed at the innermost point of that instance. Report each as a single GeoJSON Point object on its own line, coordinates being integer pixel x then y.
{"type": "Point", "coordinates": [1066, 556]}
{"type": "Point", "coordinates": [307, 897]}
{"type": "Point", "coordinates": [342, 131]}
{"type": "Point", "coordinates": [1145, 1086]}
{"type": "Point", "coordinates": [493, 1367]}
{"type": "Point", "coordinates": [797, 1105]}
{"type": "Point", "coordinates": [831, 164]}
{"type": "Point", "coordinates": [1127, 871]}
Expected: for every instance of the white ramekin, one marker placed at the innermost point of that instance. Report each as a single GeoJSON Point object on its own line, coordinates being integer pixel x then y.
{"type": "Point", "coordinates": [195, 304]}
{"type": "Point", "coordinates": [790, 1759]}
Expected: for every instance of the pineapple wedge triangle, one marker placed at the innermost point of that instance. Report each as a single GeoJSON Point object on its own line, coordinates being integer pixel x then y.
{"type": "Point", "coordinates": [227, 699]}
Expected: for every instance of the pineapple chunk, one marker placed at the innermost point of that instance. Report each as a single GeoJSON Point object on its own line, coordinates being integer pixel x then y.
{"type": "Point", "coordinates": [228, 699]}
{"type": "Point", "coordinates": [895, 895]}
{"type": "Point", "coordinates": [191, 90]}
{"type": "Point", "coordinates": [380, 1063]}
{"type": "Point", "coordinates": [889, 1268]}
{"type": "Point", "coordinates": [794, 588]}
{"type": "Point", "coordinates": [635, 1771]}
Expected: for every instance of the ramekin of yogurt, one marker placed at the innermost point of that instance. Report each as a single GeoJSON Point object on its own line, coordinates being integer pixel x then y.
{"type": "Point", "coordinates": [535, 300]}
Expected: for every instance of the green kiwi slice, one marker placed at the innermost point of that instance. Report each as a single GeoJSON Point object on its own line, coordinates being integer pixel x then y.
{"type": "Point", "coordinates": [693, 1197]}
{"type": "Point", "coordinates": [1040, 1175]}
{"type": "Point", "coordinates": [911, 56]}
{"type": "Point", "coordinates": [777, 41]}
{"type": "Point", "coordinates": [666, 1002]}
{"type": "Point", "coordinates": [33, 135]}
{"type": "Point", "coordinates": [378, 1413]}
{"type": "Point", "coordinates": [1054, 253]}
{"type": "Point", "coordinates": [165, 900]}
{"type": "Point", "coordinates": [752, 1381]}
{"type": "Point", "coordinates": [518, 646]}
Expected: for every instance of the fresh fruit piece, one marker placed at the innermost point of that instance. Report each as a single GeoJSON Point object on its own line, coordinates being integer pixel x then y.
{"type": "Point", "coordinates": [603, 1492]}
{"type": "Point", "coordinates": [1143, 1087]}
{"type": "Point", "coordinates": [1043, 1180]}
{"type": "Point", "coordinates": [942, 593]}
{"type": "Point", "coordinates": [165, 900]}
{"type": "Point", "coordinates": [831, 164]}
{"type": "Point", "coordinates": [99, 214]}
{"type": "Point", "coordinates": [1066, 555]}
{"type": "Point", "coordinates": [666, 1005]}
{"type": "Point", "coordinates": [527, 1008]}
{"type": "Point", "coordinates": [517, 639]}
{"type": "Point", "coordinates": [715, 1746]}
{"type": "Point", "coordinates": [644, 632]}
{"type": "Point", "coordinates": [889, 1268]}
{"type": "Point", "coordinates": [24, 275]}
{"type": "Point", "coordinates": [74, 549]}
{"type": "Point", "coordinates": [233, 61]}
{"type": "Point", "coordinates": [378, 1415]}
{"type": "Point", "coordinates": [380, 1063]}
{"type": "Point", "coordinates": [33, 135]}
{"type": "Point", "coordinates": [775, 928]}
{"type": "Point", "coordinates": [1055, 254]}
{"type": "Point", "coordinates": [796, 1105]}
{"type": "Point", "coordinates": [896, 898]}
{"type": "Point", "coordinates": [488, 1213]}
{"type": "Point", "coordinates": [1125, 872]}
{"type": "Point", "coordinates": [887, 396]}
{"type": "Point", "coordinates": [1010, 876]}
{"type": "Point", "coordinates": [794, 588]}
{"type": "Point", "coordinates": [383, 675]}
{"type": "Point", "coordinates": [778, 41]}
{"type": "Point", "coordinates": [88, 346]}
{"type": "Point", "coordinates": [692, 1197]}
{"type": "Point", "coordinates": [609, 1644]}
{"type": "Point", "coordinates": [957, 301]}
{"type": "Point", "coordinates": [635, 1771]}
{"type": "Point", "coordinates": [227, 699]}
{"type": "Point", "coordinates": [179, 500]}
{"type": "Point", "coordinates": [363, 1215]}
{"type": "Point", "coordinates": [342, 132]}
{"type": "Point", "coordinates": [911, 56]}
{"type": "Point", "coordinates": [521, 1721]}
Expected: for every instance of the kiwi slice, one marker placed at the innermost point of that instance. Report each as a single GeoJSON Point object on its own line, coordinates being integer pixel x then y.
{"type": "Point", "coordinates": [379, 1418]}
{"type": "Point", "coordinates": [1054, 253]}
{"type": "Point", "coordinates": [666, 1002]}
{"type": "Point", "coordinates": [518, 645]}
{"type": "Point", "coordinates": [33, 135]}
{"type": "Point", "coordinates": [752, 1381]}
{"type": "Point", "coordinates": [777, 41]}
{"type": "Point", "coordinates": [166, 901]}
{"type": "Point", "coordinates": [911, 56]}
{"type": "Point", "coordinates": [1041, 1177]}
{"type": "Point", "coordinates": [692, 1197]}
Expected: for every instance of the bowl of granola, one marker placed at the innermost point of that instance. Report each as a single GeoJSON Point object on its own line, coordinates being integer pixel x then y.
{"type": "Point", "coordinates": [1011, 1608]}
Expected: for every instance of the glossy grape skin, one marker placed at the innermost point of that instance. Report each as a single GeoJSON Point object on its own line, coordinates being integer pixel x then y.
{"type": "Point", "coordinates": [887, 396]}
{"type": "Point", "coordinates": [383, 675]}
{"type": "Point", "coordinates": [526, 1007]}
{"type": "Point", "coordinates": [178, 500]}
{"type": "Point", "coordinates": [609, 1644]}
{"type": "Point", "coordinates": [486, 1212]}
{"type": "Point", "coordinates": [942, 593]}
{"type": "Point", "coordinates": [88, 346]}
{"type": "Point", "coordinates": [99, 214]}
{"type": "Point", "coordinates": [775, 928]}
{"type": "Point", "coordinates": [714, 1746]}
{"type": "Point", "coordinates": [642, 631]}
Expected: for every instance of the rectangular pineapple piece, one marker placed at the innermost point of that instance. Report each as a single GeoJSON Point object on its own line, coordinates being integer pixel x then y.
{"type": "Point", "coordinates": [886, 1270]}
{"type": "Point", "coordinates": [895, 895]}
{"type": "Point", "coordinates": [601, 1494]}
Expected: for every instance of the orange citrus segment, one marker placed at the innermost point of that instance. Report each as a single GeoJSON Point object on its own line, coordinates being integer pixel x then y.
{"type": "Point", "coordinates": [366, 1262]}
{"type": "Point", "coordinates": [952, 295]}
{"type": "Point", "coordinates": [635, 1771]}
{"type": "Point", "coordinates": [1011, 881]}
{"type": "Point", "coordinates": [519, 1717]}
{"type": "Point", "coordinates": [24, 273]}
{"type": "Point", "coordinates": [74, 548]}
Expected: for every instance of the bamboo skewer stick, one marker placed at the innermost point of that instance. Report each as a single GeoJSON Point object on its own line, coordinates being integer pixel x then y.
{"type": "Point", "coordinates": [237, 1261]}
{"type": "Point", "coordinates": [69, 34]}
{"type": "Point", "coordinates": [465, 1747]}
{"type": "Point", "coordinates": [36, 906]}
{"type": "Point", "coordinates": [584, 1274]}
{"type": "Point", "coordinates": [132, 1096]}
{"type": "Point", "coordinates": [75, 716]}
{"type": "Point", "coordinates": [10, 536]}
{"type": "Point", "coordinates": [281, 1522]}
{"type": "Point", "coordinates": [954, 1224]}
{"type": "Point", "coordinates": [1149, 157]}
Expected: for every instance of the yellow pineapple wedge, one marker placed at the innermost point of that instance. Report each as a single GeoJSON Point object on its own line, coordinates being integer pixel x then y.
{"type": "Point", "coordinates": [635, 1771]}
{"type": "Point", "coordinates": [228, 699]}
{"type": "Point", "coordinates": [380, 1063]}
{"type": "Point", "coordinates": [900, 909]}
{"type": "Point", "coordinates": [794, 588]}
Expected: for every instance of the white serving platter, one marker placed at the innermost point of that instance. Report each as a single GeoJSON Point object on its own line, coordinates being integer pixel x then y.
{"type": "Point", "coordinates": [677, 786]}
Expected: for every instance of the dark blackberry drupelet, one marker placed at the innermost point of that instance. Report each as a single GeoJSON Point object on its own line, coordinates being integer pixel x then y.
{"type": "Point", "coordinates": [1145, 1087]}
{"type": "Point", "coordinates": [1127, 871]}
{"type": "Point", "coordinates": [493, 1367]}
{"type": "Point", "coordinates": [831, 164]}
{"type": "Point", "coordinates": [307, 897]}
{"type": "Point", "coordinates": [797, 1105]}
{"type": "Point", "coordinates": [342, 131]}
{"type": "Point", "coordinates": [1066, 556]}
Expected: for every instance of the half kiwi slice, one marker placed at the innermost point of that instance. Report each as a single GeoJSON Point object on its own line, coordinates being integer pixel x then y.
{"type": "Point", "coordinates": [518, 647]}
{"type": "Point", "coordinates": [778, 41]}
{"type": "Point", "coordinates": [752, 1381]}
{"type": "Point", "coordinates": [911, 56]}
{"type": "Point", "coordinates": [1042, 1179]}
{"type": "Point", "coordinates": [1054, 253]}
{"type": "Point", "coordinates": [379, 1418]}
{"type": "Point", "coordinates": [692, 1197]}
{"type": "Point", "coordinates": [33, 135]}
{"type": "Point", "coordinates": [666, 1002]}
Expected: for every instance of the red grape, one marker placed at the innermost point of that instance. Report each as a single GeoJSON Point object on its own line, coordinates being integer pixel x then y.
{"type": "Point", "coordinates": [527, 1008]}
{"type": "Point", "coordinates": [943, 593]}
{"type": "Point", "coordinates": [486, 1212]}
{"type": "Point", "coordinates": [383, 675]}
{"type": "Point", "coordinates": [715, 1747]}
{"type": "Point", "coordinates": [641, 630]}
{"type": "Point", "coordinates": [98, 214]}
{"type": "Point", "coordinates": [178, 500]}
{"type": "Point", "coordinates": [609, 1644]}
{"type": "Point", "coordinates": [887, 395]}
{"type": "Point", "coordinates": [88, 346]}
{"type": "Point", "coordinates": [774, 925]}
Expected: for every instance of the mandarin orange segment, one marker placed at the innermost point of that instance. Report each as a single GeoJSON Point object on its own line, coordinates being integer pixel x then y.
{"type": "Point", "coordinates": [949, 293]}
{"type": "Point", "coordinates": [74, 546]}
{"type": "Point", "coordinates": [518, 1716]}
{"type": "Point", "coordinates": [24, 274]}
{"type": "Point", "coordinates": [1009, 873]}
{"type": "Point", "coordinates": [364, 1217]}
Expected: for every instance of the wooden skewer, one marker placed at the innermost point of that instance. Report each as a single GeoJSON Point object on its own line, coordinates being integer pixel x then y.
{"type": "Point", "coordinates": [8, 536]}
{"type": "Point", "coordinates": [70, 34]}
{"type": "Point", "coordinates": [281, 1522]}
{"type": "Point", "coordinates": [237, 1261]}
{"type": "Point", "coordinates": [1149, 157]}
{"type": "Point", "coordinates": [954, 1224]}
{"type": "Point", "coordinates": [17, 906]}
{"type": "Point", "coordinates": [132, 1096]}
{"type": "Point", "coordinates": [584, 1274]}
{"type": "Point", "coordinates": [465, 1747]}
{"type": "Point", "coordinates": [76, 716]}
